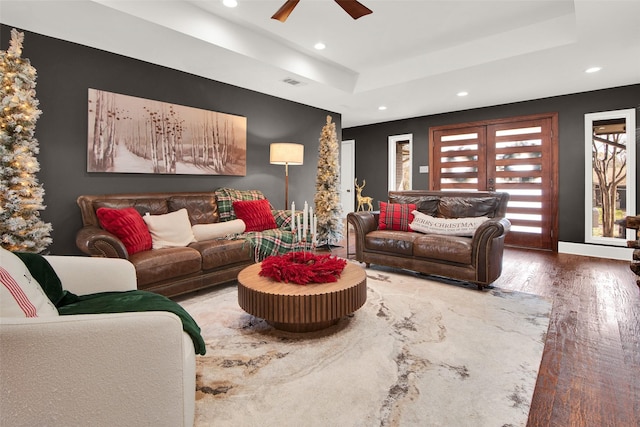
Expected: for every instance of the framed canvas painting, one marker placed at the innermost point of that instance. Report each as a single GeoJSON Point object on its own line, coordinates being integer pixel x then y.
{"type": "Point", "coordinates": [136, 135]}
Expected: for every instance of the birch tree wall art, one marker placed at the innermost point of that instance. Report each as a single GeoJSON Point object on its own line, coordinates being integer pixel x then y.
{"type": "Point", "coordinates": [136, 135]}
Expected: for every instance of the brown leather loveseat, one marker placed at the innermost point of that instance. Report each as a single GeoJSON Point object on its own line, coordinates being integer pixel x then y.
{"type": "Point", "coordinates": [474, 258]}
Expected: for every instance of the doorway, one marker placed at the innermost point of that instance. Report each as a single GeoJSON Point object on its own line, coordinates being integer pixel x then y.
{"type": "Point", "coordinates": [516, 155]}
{"type": "Point", "coordinates": [347, 175]}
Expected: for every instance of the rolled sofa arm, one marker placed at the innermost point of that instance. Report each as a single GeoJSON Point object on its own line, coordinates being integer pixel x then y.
{"type": "Point", "coordinates": [87, 275]}
{"type": "Point", "coordinates": [363, 222]}
{"type": "Point", "coordinates": [490, 230]}
{"type": "Point", "coordinates": [123, 369]}
{"type": "Point", "coordinates": [95, 241]}
{"type": "Point", "coordinates": [488, 247]}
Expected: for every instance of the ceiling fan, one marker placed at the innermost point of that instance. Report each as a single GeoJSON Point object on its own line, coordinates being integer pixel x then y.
{"type": "Point", "coordinates": [352, 7]}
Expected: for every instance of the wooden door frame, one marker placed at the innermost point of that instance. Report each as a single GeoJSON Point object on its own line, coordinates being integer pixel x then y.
{"type": "Point", "coordinates": [553, 150]}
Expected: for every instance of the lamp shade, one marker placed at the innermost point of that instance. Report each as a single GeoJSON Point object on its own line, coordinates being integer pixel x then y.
{"type": "Point", "coordinates": [286, 153]}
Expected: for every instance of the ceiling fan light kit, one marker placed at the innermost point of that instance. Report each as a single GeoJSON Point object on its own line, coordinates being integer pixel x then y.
{"type": "Point", "coordinates": [354, 8]}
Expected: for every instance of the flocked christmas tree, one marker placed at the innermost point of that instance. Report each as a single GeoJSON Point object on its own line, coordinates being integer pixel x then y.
{"type": "Point", "coordinates": [21, 195]}
{"type": "Point", "coordinates": [327, 198]}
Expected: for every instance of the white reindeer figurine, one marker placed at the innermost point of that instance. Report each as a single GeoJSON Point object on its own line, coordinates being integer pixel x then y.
{"type": "Point", "coordinates": [362, 201]}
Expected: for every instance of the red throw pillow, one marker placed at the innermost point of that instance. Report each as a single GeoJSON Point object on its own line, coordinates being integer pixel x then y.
{"type": "Point", "coordinates": [128, 226]}
{"type": "Point", "coordinates": [396, 216]}
{"type": "Point", "coordinates": [256, 214]}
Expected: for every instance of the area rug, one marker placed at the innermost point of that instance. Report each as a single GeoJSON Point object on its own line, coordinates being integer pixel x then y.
{"type": "Point", "coordinates": [420, 352]}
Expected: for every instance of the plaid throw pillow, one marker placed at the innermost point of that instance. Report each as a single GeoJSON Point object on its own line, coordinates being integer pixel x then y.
{"type": "Point", "coordinates": [226, 197]}
{"type": "Point", "coordinates": [396, 216]}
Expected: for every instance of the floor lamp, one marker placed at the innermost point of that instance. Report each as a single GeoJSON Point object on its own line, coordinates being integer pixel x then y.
{"type": "Point", "coordinates": [286, 153]}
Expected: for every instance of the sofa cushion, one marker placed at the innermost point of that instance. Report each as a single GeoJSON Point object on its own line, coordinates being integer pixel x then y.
{"type": "Point", "coordinates": [20, 294]}
{"type": "Point", "coordinates": [165, 264]}
{"type": "Point", "coordinates": [170, 230]}
{"type": "Point", "coordinates": [424, 204]}
{"type": "Point", "coordinates": [201, 209]}
{"type": "Point", "coordinates": [444, 248]}
{"type": "Point", "coordinates": [143, 206]}
{"type": "Point", "coordinates": [218, 229]}
{"type": "Point", "coordinates": [256, 214]}
{"type": "Point", "coordinates": [393, 242]}
{"type": "Point", "coordinates": [464, 207]}
{"type": "Point", "coordinates": [395, 216]}
{"type": "Point", "coordinates": [127, 225]}
{"type": "Point", "coordinates": [448, 226]}
{"type": "Point", "coordinates": [226, 196]}
{"type": "Point", "coordinates": [221, 253]}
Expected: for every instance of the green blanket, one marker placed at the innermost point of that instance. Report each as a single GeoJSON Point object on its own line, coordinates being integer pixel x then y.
{"type": "Point", "coordinates": [106, 302]}
{"type": "Point", "coordinates": [132, 301]}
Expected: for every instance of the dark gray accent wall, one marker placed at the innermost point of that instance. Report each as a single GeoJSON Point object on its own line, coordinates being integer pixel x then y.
{"type": "Point", "coordinates": [372, 146]}
{"type": "Point", "coordinates": [65, 73]}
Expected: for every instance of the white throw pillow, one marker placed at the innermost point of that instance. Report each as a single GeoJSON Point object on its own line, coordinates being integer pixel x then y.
{"type": "Point", "coordinates": [169, 230]}
{"type": "Point", "coordinates": [218, 229]}
{"type": "Point", "coordinates": [449, 226]}
{"type": "Point", "coordinates": [20, 294]}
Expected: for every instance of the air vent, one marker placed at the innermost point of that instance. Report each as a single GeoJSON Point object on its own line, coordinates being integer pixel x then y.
{"type": "Point", "coordinates": [292, 82]}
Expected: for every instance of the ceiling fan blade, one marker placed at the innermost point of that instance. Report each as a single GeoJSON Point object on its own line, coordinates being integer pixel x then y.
{"type": "Point", "coordinates": [283, 13]}
{"type": "Point", "coordinates": [354, 8]}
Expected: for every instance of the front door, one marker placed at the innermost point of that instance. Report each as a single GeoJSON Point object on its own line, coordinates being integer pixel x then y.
{"type": "Point", "coordinates": [516, 156]}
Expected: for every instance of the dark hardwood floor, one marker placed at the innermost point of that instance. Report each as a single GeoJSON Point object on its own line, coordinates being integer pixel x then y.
{"type": "Point", "coordinates": [590, 369]}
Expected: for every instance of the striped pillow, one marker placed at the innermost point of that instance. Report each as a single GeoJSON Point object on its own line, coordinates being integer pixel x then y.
{"type": "Point", "coordinates": [20, 294]}
{"type": "Point", "coordinates": [396, 216]}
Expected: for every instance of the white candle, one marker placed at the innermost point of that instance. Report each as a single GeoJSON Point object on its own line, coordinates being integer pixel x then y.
{"type": "Point", "coordinates": [315, 227]}
{"type": "Point", "coordinates": [293, 215]}
{"type": "Point", "coordinates": [305, 214]}
{"type": "Point", "coordinates": [299, 228]}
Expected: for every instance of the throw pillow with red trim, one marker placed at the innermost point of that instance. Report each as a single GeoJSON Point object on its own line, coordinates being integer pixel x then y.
{"type": "Point", "coordinates": [396, 216]}
{"type": "Point", "coordinates": [20, 294]}
{"type": "Point", "coordinates": [256, 214]}
{"type": "Point", "coordinates": [128, 226]}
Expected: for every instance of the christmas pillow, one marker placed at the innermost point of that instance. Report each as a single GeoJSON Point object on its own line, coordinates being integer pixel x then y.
{"type": "Point", "coordinates": [256, 214]}
{"type": "Point", "coordinates": [20, 294]}
{"type": "Point", "coordinates": [127, 225]}
{"type": "Point", "coordinates": [448, 226]}
{"type": "Point", "coordinates": [395, 216]}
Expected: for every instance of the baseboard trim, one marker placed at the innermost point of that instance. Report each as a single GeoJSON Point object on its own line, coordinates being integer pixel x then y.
{"type": "Point", "coordinates": [598, 251]}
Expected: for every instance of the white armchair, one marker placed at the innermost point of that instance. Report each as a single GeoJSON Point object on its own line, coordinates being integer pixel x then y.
{"type": "Point", "coordinates": [125, 369]}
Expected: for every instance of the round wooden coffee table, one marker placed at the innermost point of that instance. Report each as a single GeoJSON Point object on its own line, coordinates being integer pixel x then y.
{"type": "Point", "coordinates": [301, 308]}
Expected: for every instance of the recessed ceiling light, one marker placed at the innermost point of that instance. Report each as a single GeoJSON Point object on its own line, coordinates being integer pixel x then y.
{"type": "Point", "coordinates": [593, 70]}
{"type": "Point", "coordinates": [230, 3]}
{"type": "Point", "coordinates": [382, 107]}
{"type": "Point", "coordinates": [319, 46]}
{"type": "Point", "coordinates": [463, 93]}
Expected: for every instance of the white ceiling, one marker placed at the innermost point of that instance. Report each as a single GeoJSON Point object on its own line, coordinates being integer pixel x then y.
{"type": "Point", "coordinates": [411, 56]}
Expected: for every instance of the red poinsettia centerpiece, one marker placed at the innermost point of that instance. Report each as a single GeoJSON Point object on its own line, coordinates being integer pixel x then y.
{"type": "Point", "coordinates": [302, 268]}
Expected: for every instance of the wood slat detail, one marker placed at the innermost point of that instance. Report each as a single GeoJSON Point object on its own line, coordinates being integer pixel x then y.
{"type": "Point", "coordinates": [301, 308]}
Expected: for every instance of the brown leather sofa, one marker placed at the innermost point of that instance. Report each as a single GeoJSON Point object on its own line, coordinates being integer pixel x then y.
{"type": "Point", "coordinates": [476, 259]}
{"type": "Point", "coordinates": [167, 271]}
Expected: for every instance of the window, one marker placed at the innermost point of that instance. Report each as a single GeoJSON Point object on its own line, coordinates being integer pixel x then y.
{"type": "Point", "coordinates": [400, 162]}
{"type": "Point", "coordinates": [609, 176]}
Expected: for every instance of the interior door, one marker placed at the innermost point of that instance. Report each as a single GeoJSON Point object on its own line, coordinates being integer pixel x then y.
{"type": "Point", "coordinates": [512, 155]}
{"type": "Point", "coordinates": [347, 176]}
